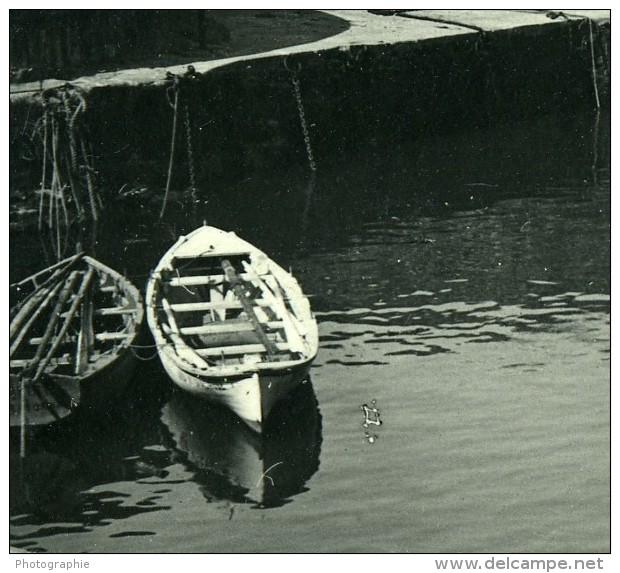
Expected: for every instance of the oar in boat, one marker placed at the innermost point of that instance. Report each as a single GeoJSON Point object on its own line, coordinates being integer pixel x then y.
{"type": "Point", "coordinates": [58, 268]}
{"type": "Point", "coordinates": [65, 327]}
{"type": "Point", "coordinates": [238, 288]}
{"type": "Point", "coordinates": [62, 299]}
{"type": "Point", "coordinates": [25, 307]}
{"type": "Point", "coordinates": [276, 301]}
{"type": "Point", "coordinates": [51, 294]}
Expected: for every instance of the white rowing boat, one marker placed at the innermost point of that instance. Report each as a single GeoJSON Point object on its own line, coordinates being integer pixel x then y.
{"type": "Point", "coordinates": [229, 323]}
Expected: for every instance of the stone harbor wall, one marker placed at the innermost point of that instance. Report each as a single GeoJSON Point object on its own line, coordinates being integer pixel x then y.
{"type": "Point", "coordinates": [391, 76]}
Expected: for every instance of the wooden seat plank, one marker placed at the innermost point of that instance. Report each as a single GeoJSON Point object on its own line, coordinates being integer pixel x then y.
{"type": "Point", "coordinates": [103, 336]}
{"type": "Point", "coordinates": [204, 306]}
{"type": "Point", "coordinates": [115, 311]}
{"type": "Point", "coordinates": [22, 363]}
{"type": "Point", "coordinates": [216, 255]}
{"type": "Point", "coordinates": [226, 326]}
{"type": "Point", "coordinates": [111, 311]}
{"type": "Point", "coordinates": [197, 280]}
{"type": "Point", "coordinates": [237, 350]}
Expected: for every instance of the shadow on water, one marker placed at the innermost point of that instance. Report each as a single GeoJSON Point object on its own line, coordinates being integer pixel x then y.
{"type": "Point", "coordinates": [231, 462]}
{"type": "Point", "coordinates": [60, 486]}
{"type": "Point", "coordinates": [56, 486]}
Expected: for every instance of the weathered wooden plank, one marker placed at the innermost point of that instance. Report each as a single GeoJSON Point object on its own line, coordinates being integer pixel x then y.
{"type": "Point", "coordinates": [199, 280]}
{"type": "Point", "coordinates": [237, 350]}
{"type": "Point", "coordinates": [49, 334]}
{"type": "Point", "coordinates": [86, 279]}
{"type": "Point", "coordinates": [42, 305]}
{"type": "Point", "coordinates": [223, 327]}
{"type": "Point", "coordinates": [102, 337]}
{"type": "Point", "coordinates": [216, 255]}
{"type": "Point", "coordinates": [114, 311]}
{"type": "Point", "coordinates": [111, 311]}
{"type": "Point", "coordinates": [55, 271]}
{"type": "Point", "coordinates": [239, 288]}
{"type": "Point", "coordinates": [63, 360]}
{"type": "Point", "coordinates": [219, 305]}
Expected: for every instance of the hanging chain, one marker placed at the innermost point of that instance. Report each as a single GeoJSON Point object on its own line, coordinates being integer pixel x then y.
{"type": "Point", "coordinates": [174, 89]}
{"type": "Point", "coordinates": [302, 119]}
{"type": "Point", "coordinates": [190, 154]}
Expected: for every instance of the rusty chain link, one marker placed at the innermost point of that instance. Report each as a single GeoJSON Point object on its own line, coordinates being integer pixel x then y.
{"type": "Point", "coordinates": [302, 119]}
{"type": "Point", "coordinates": [190, 154]}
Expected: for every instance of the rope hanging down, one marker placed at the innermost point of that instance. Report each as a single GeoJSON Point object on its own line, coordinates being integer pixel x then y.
{"type": "Point", "coordinates": [67, 175]}
{"type": "Point", "coordinates": [594, 71]}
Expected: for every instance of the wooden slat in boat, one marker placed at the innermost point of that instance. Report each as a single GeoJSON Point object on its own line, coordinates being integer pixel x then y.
{"type": "Point", "coordinates": [108, 311]}
{"type": "Point", "coordinates": [220, 305]}
{"type": "Point", "coordinates": [237, 349]}
{"type": "Point", "coordinates": [218, 327]}
{"type": "Point", "coordinates": [219, 254]}
{"type": "Point", "coordinates": [199, 280]}
{"type": "Point", "coordinates": [102, 337]}
{"type": "Point", "coordinates": [56, 361]}
{"type": "Point", "coordinates": [114, 311]}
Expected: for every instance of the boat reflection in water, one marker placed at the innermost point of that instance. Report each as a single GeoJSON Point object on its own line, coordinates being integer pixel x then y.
{"type": "Point", "coordinates": [231, 462]}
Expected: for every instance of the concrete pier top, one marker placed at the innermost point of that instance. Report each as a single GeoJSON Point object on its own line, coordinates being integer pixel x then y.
{"type": "Point", "coordinates": [366, 29]}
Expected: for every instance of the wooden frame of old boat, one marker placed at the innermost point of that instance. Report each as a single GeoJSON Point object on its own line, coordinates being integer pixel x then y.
{"type": "Point", "coordinates": [229, 323]}
{"type": "Point", "coordinates": [71, 329]}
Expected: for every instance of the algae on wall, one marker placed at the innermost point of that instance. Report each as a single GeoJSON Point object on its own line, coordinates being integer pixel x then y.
{"type": "Point", "coordinates": [244, 123]}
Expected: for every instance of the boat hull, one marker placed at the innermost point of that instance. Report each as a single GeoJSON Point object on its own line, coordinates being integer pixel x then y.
{"type": "Point", "coordinates": [251, 396]}
{"type": "Point", "coordinates": [212, 320]}
{"type": "Point", "coordinates": [57, 395]}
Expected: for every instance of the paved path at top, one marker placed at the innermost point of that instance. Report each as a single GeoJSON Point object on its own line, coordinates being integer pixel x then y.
{"type": "Point", "coordinates": [365, 29]}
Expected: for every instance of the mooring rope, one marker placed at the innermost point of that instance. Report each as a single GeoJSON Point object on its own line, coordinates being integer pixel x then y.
{"type": "Point", "coordinates": [92, 196]}
{"type": "Point", "coordinates": [175, 107]}
{"type": "Point", "coordinates": [22, 420]}
{"type": "Point", "coordinates": [67, 179]}
{"type": "Point", "coordinates": [71, 131]}
{"type": "Point", "coordinates": [594, 73]}
{"type": "Point", "coordinates": [133, 348]}
{"type": "Point", "coordinates": [44, 161]}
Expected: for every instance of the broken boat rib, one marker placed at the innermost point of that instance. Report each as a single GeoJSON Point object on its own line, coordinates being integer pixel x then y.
{"type": "Point", "coordinates": [229, 323]}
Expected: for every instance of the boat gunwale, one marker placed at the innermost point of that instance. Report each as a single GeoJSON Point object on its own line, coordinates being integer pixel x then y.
{"type": "Point", "coordinates": [166, 348]}
{"type": "Point", "coordinates": [106, 359]}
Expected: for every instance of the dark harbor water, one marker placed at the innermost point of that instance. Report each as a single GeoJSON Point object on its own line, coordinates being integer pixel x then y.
{"type": "Point", "coordinates": [462, 288]}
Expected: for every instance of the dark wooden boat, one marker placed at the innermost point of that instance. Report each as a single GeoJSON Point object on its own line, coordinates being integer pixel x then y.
{"type": "Point", "coordinates": [71, 329]}
{"type": "Point", "coordinates": [230, 324]}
